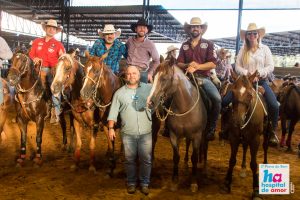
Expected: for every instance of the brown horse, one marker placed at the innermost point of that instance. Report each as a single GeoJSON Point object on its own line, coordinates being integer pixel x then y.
{"type": "Point", "coordinates": [187, 113]}
{"type": "Point", "coordinates": [30, 102]}
{"type": "Point", "coordinates": [68, 81]}
{"type": "Point", "coordinates": [289, 97]}
{"type": "Point", "coordinates": [247, 124]}
{"type": "Point", "coordinates": [4, 106]}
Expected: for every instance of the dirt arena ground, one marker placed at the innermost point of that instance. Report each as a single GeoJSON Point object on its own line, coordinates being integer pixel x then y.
{"type": "Point", "coordinates": [55, 180]}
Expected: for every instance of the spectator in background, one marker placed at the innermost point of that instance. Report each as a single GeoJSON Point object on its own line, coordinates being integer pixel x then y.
{"type": "Point", "coordinates": [296, 64]}
{"type": "Point", "coordinates": [223, 64]}
{"type": "Point", "coordinates": [172, 51]}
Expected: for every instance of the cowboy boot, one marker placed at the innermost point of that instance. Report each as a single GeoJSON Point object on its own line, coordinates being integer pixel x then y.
{"type": "Point", "coordinates": [273, 139]}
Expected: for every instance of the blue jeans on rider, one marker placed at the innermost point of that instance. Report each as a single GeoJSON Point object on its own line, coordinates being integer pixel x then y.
{"type": "Point", "coordinates": [214, 95]}
{"type": "Point", "coordinates": [144, 76]}
{"type": "Point", "coordinates": [273, 107]}
{"type": "Point", "coordinates": [55, 101]}
{"type": "Point", "coordinates": [138, 146]}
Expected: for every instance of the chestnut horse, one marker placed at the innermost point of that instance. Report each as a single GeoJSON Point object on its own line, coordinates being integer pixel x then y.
{"type": "Point", "coordinates": [30, 102]}
{"type": "Point", "coordinates": [247, 125]}
{"type": "Point", "coordinates": [187, 114]}
{"type": "Point", "coordinates": [4, 106]}
{"type": "Point", "coordinates": [68, 79]}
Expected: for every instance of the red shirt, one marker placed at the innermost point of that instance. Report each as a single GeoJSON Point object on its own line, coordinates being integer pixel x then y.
{"type": "Point", "coordinates": [202, 53]}
{"type": "Point", "coordinates": [47, 51]}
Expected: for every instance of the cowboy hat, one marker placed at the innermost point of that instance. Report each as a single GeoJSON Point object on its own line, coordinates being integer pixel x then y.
{"type": "Point", "coordinates": [252, 27]}
{"type": "Point", "coordinates": [195, 21]}
{"type": "Point", "coordinates": [109, 28]}
{"type": "Point", "coordinates": [52, 23]}
{"type": "Point", "coordinates": [141, 22]}
{"type": "Point", "coordinates": [171, 48]}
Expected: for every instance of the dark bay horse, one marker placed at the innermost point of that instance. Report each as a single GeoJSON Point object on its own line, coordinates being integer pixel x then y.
{"type": "Point", "coordinates": [187, 113]}
{"type": "Point", "coordinates": [30, 102]}
{"type": "Point", "coordinates": [68, 81]}
{"type": "Point", "coordinates": [247, 125]}
{"type": "Point", "coordinates": [289, 98]}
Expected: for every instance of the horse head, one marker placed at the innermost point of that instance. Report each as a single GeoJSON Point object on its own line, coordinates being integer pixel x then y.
{"type": "Point", "coordinates": [21, 65]}
{"type": "Point", "coordinates": [94, 68]}
{"type": "Point", "coordinates": [165, 82]}
{"type": "Point", "coordinates": [65, 70]}
{"type": "Point", "coordinates": [243, 95]}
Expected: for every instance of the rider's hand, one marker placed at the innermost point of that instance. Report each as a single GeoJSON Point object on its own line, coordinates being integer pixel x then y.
{"type": "Point", "coordinates": [36, 60]}
{"type": "Point", "coordinates": [111, 134]}
{"type": "Point", "coordinates": [150, 79]}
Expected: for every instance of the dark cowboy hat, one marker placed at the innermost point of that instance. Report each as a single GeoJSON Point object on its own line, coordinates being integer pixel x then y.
{"type": "Point", "coordinates": [141, 22]}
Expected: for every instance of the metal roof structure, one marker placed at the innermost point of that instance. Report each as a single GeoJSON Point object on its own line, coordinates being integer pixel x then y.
{"type": "Point", "coordinates": [280, 43]}
{"type": "Point", "coordinates": [84, 22]}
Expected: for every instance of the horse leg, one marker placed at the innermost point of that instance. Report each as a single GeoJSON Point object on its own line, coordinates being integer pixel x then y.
{"type": "Point", "coordinates": [23, 128]}
{"type": "Point", "coordinates": [62, 122]}
{"type": "Point", "coordinates": [283, 130]}
{"type": "Point", "coordinates": [109, 143]}
{"type": "Point", "coordinates": [186, 156]}
{"type": "Point", "coordinates": [39, 138]}
{"type": "Point", "coordinates": [253, 164]}
{"type": "Point", "coordinates": [243, 170]}
{"type": "Point", "coordinates": [176, 158]}
{"type": "Point", "coordinates": [234, 144]}
{"type": "Point", "coordinates": [78, 130]}
{"type": "Point", "coordinates": [196, 145]}
{"type": "Point", "coordinates": [155, 129]}
{"type": "Point", "coordinates": [93, 134]}
{"type": "Point", "coordinates": [291, 130]}
{"type": "Point", "coordinates": [265, 147]}
{"type": "Point", "coordinates": [110, 153]}
{"type": "Point", "coordinates": [72, 134]}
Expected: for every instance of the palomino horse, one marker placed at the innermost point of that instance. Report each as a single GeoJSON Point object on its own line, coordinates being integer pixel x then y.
{"type": "Point", "coordinates": [187, 113]}
{"type": "Point", "coordinates": [69, 79]}
{"type": "Point", "coordinates": [247, 124]}
{"type": "Point", "coordinates": [31, 102]}
{"type": "Point", "coordinates": [4, 105]}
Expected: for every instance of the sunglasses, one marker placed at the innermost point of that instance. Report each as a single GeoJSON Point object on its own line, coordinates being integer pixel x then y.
{"type": "Point", "coordinates": [251, 33]}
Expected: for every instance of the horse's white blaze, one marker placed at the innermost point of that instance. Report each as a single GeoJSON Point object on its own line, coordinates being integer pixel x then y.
{"type": "Point", "coordinates": [154, 85]}
{"type": "Point", "coordinates": [88, 71]}
{"type": "Point", "coordinates": [58, 75]}
{"type": "Point", "coordinates": [242, 90]}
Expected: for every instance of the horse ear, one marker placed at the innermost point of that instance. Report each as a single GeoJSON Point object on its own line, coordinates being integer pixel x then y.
{"type": "Point", "coordinates": [233, 75]}
{"type": "Point", "coordinates": [161, 59]}
{"type": "Point", "coordinates": [252, 76]}
{"type": "Point", "coordinates": [172, 61]}
{"type": "Point", "coordinates": [87, 53]}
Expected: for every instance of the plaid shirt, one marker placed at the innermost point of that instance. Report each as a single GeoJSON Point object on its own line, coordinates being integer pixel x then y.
{"type": "Point", "coordinates": [115, 53]}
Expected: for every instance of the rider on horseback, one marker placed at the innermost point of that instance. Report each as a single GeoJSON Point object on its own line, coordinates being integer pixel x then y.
{"type": "Point", "coordinates": [255, 56]}
{"type": "Point", "coordinates": [197, 56]}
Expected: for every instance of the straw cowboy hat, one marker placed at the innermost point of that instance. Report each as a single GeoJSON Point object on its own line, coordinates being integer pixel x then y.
{"type": "Point", "coordinates": [252, 27]}
{"type": "Point", "coordinates": [141, 22]}
{"type": "Point", "coordinates": [171, 48]}
{"type": "Point", "coordinates": [52, 23]}
{"type": "Point", "coordinates": [109, 28]}
{"type": "Point", "coordinates": [195, 21]}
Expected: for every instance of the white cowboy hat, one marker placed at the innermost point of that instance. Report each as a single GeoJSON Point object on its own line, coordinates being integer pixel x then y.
{"type": "Point", "coordinates": [195, 21]}
{"type": "Point", "coordinates": [109, 28]}
{"type": "Point", "coordinates": [252, 27]}
{"type": "Point", "coordinates": [52, 23]}
{"type": "Point", "coordinates": [171, 48]}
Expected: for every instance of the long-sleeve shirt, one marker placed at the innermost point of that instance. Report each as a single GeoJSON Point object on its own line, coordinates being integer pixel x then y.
{"type": "Point", "coordinates": [115, 53]}
{"type": "Point", "coordinates": [47, 51]}
{"type": "Point", "coordinates": [140, 53]}
{"type": "Point", "coordinates": [5, 52]}
{"type": "Point", "coordinates": [202, 53]}
{"type": "Point", "coordinates": [260, 60]}
{"type": "Point", "coordinates": [130, 104]}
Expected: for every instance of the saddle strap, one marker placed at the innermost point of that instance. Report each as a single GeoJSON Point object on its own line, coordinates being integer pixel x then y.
{"type": "Point", "coordinates": [22, 105]}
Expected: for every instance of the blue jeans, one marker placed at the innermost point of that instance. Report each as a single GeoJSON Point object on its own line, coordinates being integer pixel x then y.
{"type": "Point", "coordinates": [214, 95]}
{"type": "Point", "coordinates": [56, 101]}
{"type": "Point", "coordinates": [144, 76]}
{"type": "Point", "coordinates": [138, 146]}
{"type": "Point", "coordinates": [273, 107]}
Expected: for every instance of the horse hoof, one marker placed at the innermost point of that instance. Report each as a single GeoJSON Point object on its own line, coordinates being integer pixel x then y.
{"type": "Point", "coordinates": [225, 189]}
{"type": "Point", "coordinates": [37, 162]}
{"type": "Point", "coordinates": [74, 168]}
{"type": "Point", "coordinates": [174, 187]}
{"type": "Point", "coordinates": [256, 196]}
{"type": "Point", "coordinates": [243, 173]}
{"type": "Point", "coordinates": [70, 149]}
{"type": "Point", "coordinates": [194, 187]}
{"type": "Point", "coordinates": [20, 163]}
{"type": "Point", "coordinates": [92, 169]}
